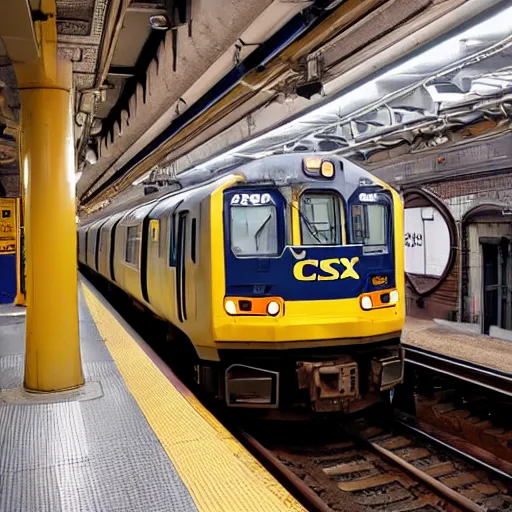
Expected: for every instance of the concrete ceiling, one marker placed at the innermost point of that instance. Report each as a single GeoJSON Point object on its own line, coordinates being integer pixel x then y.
{"type": "Point", "coordinates": [355, 41]}
{"type": "Point", "coordinates": [427, 101]}
{"type": "Point", "coordinates": [135, 84]}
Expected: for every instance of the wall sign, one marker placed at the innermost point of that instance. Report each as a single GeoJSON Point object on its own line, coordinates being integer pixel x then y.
{"type": "Point", "coordinates": [427, 242]}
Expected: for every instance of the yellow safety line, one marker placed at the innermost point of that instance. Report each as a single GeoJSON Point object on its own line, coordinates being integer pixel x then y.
{"type": "Point", "coordinates": [218, 471]}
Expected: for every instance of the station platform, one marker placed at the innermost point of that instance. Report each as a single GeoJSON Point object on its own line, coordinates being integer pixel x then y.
{"type": "Point", "coordinates": [133, 439]}
{"type": "Point", "coordinates": [449, 340]}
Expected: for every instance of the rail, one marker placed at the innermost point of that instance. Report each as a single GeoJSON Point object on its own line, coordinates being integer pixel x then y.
{"type": "Point", "coordinates": [490, 378]}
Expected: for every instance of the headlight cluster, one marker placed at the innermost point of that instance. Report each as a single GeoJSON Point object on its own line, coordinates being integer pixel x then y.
{"type": "Point", "coordinates": [255, 306]}
{"type": "Point", "coordinates": [379, 299]}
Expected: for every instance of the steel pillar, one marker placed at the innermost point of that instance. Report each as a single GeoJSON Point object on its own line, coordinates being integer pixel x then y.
{"type": "Point", "coordinates": [48, 165]}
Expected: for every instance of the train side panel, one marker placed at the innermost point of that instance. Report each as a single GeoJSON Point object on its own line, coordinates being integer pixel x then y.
{"type": "Point", "coordinates": [160, 273]}
{"type": "Point", "coordinates": [105, 246]}
{"type": "Point", "coordinates": [82, 236]}
{"type": "Point", "coordinates": [91, 246]}
{"type": "Point", "coordinates": [128, 253]}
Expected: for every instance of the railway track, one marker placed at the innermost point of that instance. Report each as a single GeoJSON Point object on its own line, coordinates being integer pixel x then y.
{"type": "Point", "coordinates": [450, 456]}
{"type": "Point", "coordinates": [367, 466]}
{"type": "Point", "coordinates": [472, 373]}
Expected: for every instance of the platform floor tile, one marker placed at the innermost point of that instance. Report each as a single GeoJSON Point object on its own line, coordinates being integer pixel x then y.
{"type": "Point", "coordinates": [99, 455]}
{"type": "Point", "coordinates": [219, 473]}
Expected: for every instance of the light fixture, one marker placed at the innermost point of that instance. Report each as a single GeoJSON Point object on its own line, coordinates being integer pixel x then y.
{"type": "Point", "coordinates": [327, 170]}
{"type": "Point", "coordinates": [313, 163]}
{"type": "Point", "coordinates": [273, 308]}
{"type": "Point", "coordinates": [230, 307]}
{"type": "Point", "coordinates": [159, 22]}
{"type": "Point", "coordinates": [393, 297]}
{"type": "Point", "coordinates": [366, 302]}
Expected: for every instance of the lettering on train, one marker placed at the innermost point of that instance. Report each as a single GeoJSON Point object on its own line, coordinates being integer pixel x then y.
{"type": "Point", "coordinates": [368, 197]}
{"type": "Point", "coordinates": [251, 199]}
{"type": "Point", "coordinates": [331, 269]}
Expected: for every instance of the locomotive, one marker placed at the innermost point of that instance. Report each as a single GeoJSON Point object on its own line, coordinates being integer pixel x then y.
{"type": "Point", "coordinates": [281, 280]}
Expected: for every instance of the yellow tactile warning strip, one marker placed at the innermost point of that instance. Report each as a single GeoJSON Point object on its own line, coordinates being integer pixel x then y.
{"type": "Point", "coordinates": [219, 472]}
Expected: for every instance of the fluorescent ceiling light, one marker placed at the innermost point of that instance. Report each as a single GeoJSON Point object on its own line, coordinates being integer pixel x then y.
{"type": "Point", "coordinates": [402, 81]}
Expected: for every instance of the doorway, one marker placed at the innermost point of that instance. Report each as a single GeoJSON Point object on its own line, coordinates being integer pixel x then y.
{"type": "Point", "coordinates": [497, 283]}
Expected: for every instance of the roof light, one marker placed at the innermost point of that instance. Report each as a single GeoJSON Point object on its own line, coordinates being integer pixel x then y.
{"type": "Point", "coordinates": [327, 170]}
{"type": "Point", "coordinates": [313, 163]}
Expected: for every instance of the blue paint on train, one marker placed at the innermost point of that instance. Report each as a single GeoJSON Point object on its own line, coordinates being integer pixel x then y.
{"type": "Point", "coordinates": [317, 272]}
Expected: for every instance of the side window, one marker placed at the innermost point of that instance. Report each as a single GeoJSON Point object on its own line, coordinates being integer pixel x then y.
{"type": "Point", "coordinates": [369, 227]}
{"type": "Point", "coordinates": [320, 219]}
{"type": "Point", "coordinates": [132, 245]}
{"type": "Point", "coordinates": [193, 242]}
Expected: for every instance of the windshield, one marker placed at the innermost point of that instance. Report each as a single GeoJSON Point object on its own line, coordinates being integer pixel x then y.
{"type": "Point", "coordinates": [253, 230]}
{"type": "Point", "coordinates": [369, 227]}
{"type": "Point", "coordinates": [320, 224]}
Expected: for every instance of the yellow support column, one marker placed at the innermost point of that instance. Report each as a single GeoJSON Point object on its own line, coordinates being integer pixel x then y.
{"type": "Point", "coordinates": [47, 161]}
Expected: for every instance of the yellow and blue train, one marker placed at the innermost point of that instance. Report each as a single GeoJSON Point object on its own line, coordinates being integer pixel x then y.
{"type": "Point", "coordinates": [281, 280]}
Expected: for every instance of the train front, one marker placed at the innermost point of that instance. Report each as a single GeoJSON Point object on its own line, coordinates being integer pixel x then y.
{"type": "Point", "coordinates": [314, 286]}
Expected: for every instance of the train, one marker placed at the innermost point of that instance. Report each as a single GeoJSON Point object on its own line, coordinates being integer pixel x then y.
{"type": "Point", "coordinates": [281, 280]}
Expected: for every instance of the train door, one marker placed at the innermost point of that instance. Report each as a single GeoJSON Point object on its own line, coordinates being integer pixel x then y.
{"type": "Point", "coordinates": [497, 284]}
{"type": "Point", "coordinates": [181, 251]}
{"type": "Point", "coordinates": [144, 258]}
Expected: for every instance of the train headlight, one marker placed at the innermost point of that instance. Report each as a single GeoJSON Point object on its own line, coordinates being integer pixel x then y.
{"type": "Point", "coordinates": [366, 302]}
{"type": "Point", "coordinates": [393, 297]}
{"type": "Point", "coordinates": [273, 308]}
{"type": "Point", "coordinates": [230, 307]}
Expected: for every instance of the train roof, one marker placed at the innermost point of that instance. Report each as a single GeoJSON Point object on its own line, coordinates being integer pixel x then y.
{"type": "Point", "coordinates": [279, 170]}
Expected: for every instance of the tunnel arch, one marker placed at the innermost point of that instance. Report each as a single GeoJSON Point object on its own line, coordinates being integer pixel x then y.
{"type": "Point", "coordinates": [420, 197]}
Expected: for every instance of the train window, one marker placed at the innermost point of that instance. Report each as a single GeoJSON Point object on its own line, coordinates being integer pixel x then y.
{"type": "Point", "coordinates": [132, 245]}
{"type": "Point", "coordinates": [320, 219]}
{"type": "Point", "coordinates": [193, 236]}
{"type": "Point", "coordinates": [254, 230]}
{"type": "Point", "coordinates": [369, 227]}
